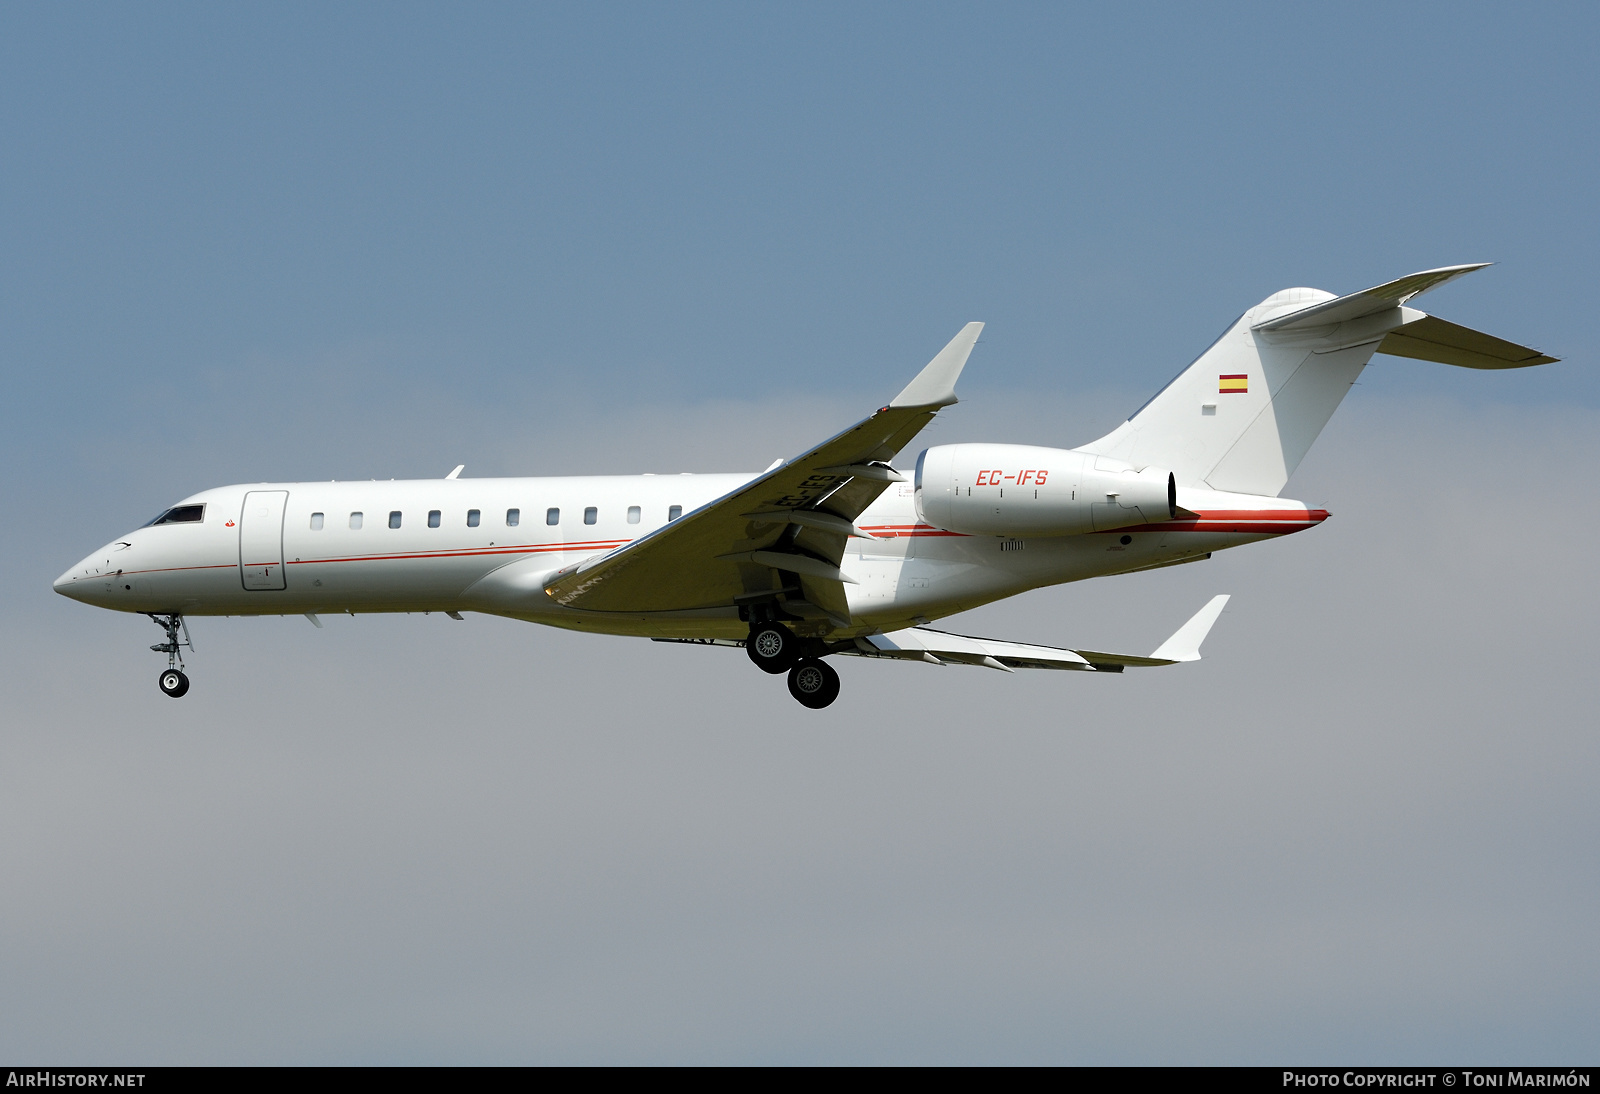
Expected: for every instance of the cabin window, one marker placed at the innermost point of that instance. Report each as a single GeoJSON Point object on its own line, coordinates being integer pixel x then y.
{"type": "Point", "coordinates": [513, 517]}
{"type": "Point", "coordinates": [316, 522]}
{"type": "Point", "coordinates": [394, 518]}
{"type": "Point", "coordinates": [355, 522]}
{"type": "Point", "coordinates": [473, 516]}
{"type": "Point", "coordinates": [552, 516]}
{"type": "Point", "coordinates": [590, 515]}
{"type": "Point", "coordinates": [633, 514]}
{"type": "Point", "coordinates": [674, 512]}
{"type": "Point", "coordinates": [433, 518]}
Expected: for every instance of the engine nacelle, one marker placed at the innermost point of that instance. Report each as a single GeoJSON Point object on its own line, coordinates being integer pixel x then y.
{"type": "Point", "coordinates": [1020, 490]}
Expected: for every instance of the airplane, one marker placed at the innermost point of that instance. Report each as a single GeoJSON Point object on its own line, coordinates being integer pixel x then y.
{"type": "Point", "coordinates": [834, 552]}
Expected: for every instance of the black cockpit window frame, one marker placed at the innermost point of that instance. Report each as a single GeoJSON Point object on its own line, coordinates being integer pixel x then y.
{"type": "Point", "coordinates": [180, 514]}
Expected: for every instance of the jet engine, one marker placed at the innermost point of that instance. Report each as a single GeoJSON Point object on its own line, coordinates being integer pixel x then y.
{"type": "Point", "coordinates": [1021, 490]}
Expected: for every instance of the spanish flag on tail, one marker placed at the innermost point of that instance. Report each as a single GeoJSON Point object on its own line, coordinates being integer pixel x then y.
{"type": "Point", "coordinates": [1234, 384]}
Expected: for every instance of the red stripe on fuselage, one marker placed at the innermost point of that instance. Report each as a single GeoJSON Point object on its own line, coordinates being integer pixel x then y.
{"type": "Point", "coordinates": [476, 552]}
{"type": "Point", "coordinates": [1249, 521]}
{"type": "Point", "coordinates": [466, 552]}
{"type": "Point", "coordinates": [1239, 521]}
{"type": "Point", "coordinates": [163, 570]}
{"type": "Point", "coordinates": [895, 531]}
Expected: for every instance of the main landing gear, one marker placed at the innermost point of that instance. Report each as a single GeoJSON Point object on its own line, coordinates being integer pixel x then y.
{"type": "Point", "coordinates": [172, 680]}
{"type": "Point", "coordinates": [774, 648]}
{"type": "Point", "coordinates": [814, 683]}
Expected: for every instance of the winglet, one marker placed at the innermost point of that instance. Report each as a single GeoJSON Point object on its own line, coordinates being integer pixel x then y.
{"type": "Point", "coordinates": [935, 385]}
{"type": "Point", "coordinates": [1184, 645]}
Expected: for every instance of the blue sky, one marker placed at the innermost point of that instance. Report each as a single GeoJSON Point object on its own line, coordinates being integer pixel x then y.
{"type": "Point", "coordinates": [314, 241]}
{"type": "Point", "coordinates": [680, 203]}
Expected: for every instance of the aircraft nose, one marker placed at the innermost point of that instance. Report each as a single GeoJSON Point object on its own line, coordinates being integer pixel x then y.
{"type": "Point", "coordinates": [86, 582]}
{"type": "Point", "coordinates": [72, 585]}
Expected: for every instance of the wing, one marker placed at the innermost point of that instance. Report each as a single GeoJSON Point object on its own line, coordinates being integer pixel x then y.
{"type": "Point", "coordinates": [938, 647]}
{"type": "Point", "coordinates": [783, 533]}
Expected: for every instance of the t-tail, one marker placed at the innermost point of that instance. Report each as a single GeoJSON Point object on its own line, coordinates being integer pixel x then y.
{"type": "Point", "coordinates": [1214, 448]}
{"type": "Point", "coordinates": [1243, 415]}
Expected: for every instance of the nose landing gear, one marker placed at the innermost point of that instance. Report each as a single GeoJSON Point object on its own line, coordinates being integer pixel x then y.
{"type": "Point", "coordinates": [172, 681]}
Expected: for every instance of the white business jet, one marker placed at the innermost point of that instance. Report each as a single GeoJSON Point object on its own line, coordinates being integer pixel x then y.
{"type": "Point", "coordinates": [834, 551]}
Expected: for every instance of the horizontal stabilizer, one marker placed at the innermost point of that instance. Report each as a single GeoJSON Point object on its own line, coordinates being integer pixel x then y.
{"type": "Point", "coordinates": [1433, 339]}
{"type": "Point", "coordinates": [939, 647]}
{"type": "Point", "coordinates": [915, 643]}
{"type": "Point", "coordinates": [1371, 301]}
{"type": "Point", "coordinates": [1184, 645]}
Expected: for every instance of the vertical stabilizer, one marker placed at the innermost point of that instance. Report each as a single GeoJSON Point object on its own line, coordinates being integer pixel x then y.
{"type": "Point", "coordinates": [1243, 415]}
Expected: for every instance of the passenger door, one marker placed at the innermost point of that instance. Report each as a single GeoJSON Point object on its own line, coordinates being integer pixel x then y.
{"type": "Point", "coordinates": [261, 540]}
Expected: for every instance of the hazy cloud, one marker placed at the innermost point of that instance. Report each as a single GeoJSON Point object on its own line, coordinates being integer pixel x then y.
{"type": "Point", "coordinates": [1361, 828]}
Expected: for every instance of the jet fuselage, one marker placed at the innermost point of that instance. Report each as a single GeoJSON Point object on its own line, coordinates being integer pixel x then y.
{"type": "Point", "coordinates": [487, 545]}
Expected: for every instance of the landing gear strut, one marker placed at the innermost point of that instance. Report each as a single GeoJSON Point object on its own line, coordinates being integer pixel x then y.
{"type": "Point", "coordinates": [814, 683]}
{"type": "Point", "coordinates": [172, 681]}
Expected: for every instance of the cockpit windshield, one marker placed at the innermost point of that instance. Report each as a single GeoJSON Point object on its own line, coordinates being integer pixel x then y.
{"type": "Point", "coordinates": [181, 514]}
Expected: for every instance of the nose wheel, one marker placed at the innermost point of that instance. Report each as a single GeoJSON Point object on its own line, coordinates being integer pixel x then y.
{"type": "Point", "coordinates": [173, 682]}
{"type": "Point", "coordinates": [814, 684]}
